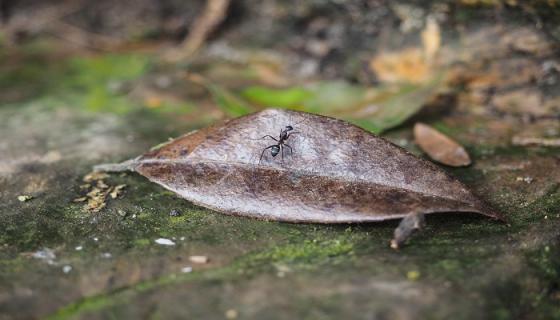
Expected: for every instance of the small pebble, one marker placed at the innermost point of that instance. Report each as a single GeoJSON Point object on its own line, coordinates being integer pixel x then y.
{"type": "Point", "coordinates": [524, 179]}
{"type": "Point", "coordinates": [45, 254]}
{"type": "Point", "coordinates": [187, 269]}
{"type": "Point", "coordinates": [175, 213]}
{"type": "Point", "coordinates": [79, 248]}
{"type": "Point", "coordinates": [95, 239]}
{"type": "Point", "coordinates": [106, 255]}
{"type": "Point", "coordinates": [66, 268]}
{"type": "Point", "coordinates": [24, 198]}
{"type": "Point", "coordinates": [413, 275]}
{"type": "Point", "coordinates": [231, 314]}
{"type": "Point", "coordinates": [199, 259]}
{"type": "Point", "coordinates": [165, 242]}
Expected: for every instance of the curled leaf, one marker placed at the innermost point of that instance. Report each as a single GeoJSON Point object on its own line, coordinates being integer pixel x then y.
{"type": "Point", "coordinates": [440, 147]}
{"type": "Point", "coordinates": [336, 172]}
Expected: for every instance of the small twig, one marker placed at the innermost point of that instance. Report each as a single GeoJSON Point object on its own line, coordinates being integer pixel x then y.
{"type": "Point", "coordinates": [214, 13]}
{"type": "Point", "coordinates": [408, 226]}
{"type": "Point", "coordinates": [535, 141]}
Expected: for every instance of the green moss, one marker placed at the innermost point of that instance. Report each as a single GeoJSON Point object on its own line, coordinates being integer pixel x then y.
{"type": "Point", "coordinates": [98, 83]}
{"type": "Point", "coordinates": [545, 206]}
{"type": "Point", "coordinates": [545, 265]}
{"type": "Point", "coordinates": [310, 253]}
{"type": "Point", "coordinates": [142, 242]}
{"type": "Point", "coordinates": [307, 253]}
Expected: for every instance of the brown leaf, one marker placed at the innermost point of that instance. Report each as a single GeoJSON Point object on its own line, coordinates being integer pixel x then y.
{"type": "Point", "coordinates": [409, 66]}
{"type": "Point", "coordinates": [337, 173]}
{"type": "Point", "coordinates": [440, 147]}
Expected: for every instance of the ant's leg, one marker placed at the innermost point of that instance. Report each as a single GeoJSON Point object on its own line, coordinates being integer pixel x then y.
{"type": "Point", "coordinates": [267, 136]}
{"type": "Point", "coordinates": [289, 134]}
{"type": "Point", "coordinates": [291, 150]}
{"type": "Point", "coordinates": [262, 153]}
{"type": "Point", "coordinates": [282, 152]}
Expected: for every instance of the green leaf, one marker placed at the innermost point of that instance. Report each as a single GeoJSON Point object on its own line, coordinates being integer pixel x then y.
{"type": "Point", "coordinates": [332, 96]}
{"type": "Point", "coordinates": [229, 102]}
{"type": "Point", "coordinates": [280, 98]}
{"type": "Point", "coordinates": [376, 109]}
{"type": "Point", "coordinates": [391, 107]}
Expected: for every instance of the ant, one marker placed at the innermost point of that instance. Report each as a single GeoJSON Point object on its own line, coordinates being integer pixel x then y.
{"type": "Point", "coordinates": [281, 143]}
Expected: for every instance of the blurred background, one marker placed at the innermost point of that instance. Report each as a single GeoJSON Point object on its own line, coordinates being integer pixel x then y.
{"type": "Point", "coordinates": [85, 82]}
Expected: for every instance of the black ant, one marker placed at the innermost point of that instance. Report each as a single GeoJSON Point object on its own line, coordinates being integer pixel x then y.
{"type": "Point", "coordinates": [277, 148]}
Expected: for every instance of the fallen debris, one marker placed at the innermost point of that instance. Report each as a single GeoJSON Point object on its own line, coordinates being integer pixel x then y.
{"type": "Point", "coordinates": [231, 314]}
{"type": "Point", "coordinates": [527, 180]}
{"type": "Point", "coordinates": [408, 226]}
{"type": "Point", "coordinates": [165, 242]}
{"type": "Point", "coordinates": [45, 254]}
{"type": "Point", "coordinates": [117, 191]}
{"type": "Point", "coordinates": [199, 259]}
{"type": "Point", "coordinates": [535, 141]}
{"type": "Point", "coordinates": [440, 147]}
{"type": "Point", "coordinates": [98, 191]}
{"type": "Point", "coordinates": [24, 198]}
{"type": "Point", "coordinates": [175, 213]}
{"type": "Point", "coordinates": [413, 275]}
{"type": "Point", "coordinates": [202, 27]}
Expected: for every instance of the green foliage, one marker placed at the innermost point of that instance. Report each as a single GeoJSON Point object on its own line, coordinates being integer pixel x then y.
{"type": "Point", "coordinates": [374, 109]}
{"type": "Point", "coordinates": [88, 72]}
{"type": "Point", "coordinates": [281, 98]}
{"type": "Point", "coordinates": [98, 83]}
{"type": "Point", "coordinates": [229, 102]}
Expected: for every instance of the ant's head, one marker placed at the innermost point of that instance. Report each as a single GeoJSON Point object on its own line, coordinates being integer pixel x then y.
{"type": "Point", "coordinates": [289, 128]}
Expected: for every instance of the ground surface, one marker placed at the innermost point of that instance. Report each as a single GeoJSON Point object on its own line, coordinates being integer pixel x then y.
{"type": "Point", "coordinates": [62, 111]}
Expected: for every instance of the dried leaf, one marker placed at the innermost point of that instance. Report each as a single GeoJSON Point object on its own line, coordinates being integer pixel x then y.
{"type": "Point", "coordinates": [407, 66]}
{"type": "Point", "coordinates": [337, 173]}
{"type": "Point", "coordinates": [80, 199]}
{"type": "Point", "coordinates": [94, 176]}
{"type": "Point", "coordinates": [117, 191]}
{"type": "Point", "coordinates": [97, 191]}
{"type": "Point", "coordinates": [440, 147]}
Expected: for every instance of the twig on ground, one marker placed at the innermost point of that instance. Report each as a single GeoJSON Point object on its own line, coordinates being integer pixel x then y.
{"type": "Point", "coordinates": [535, 141]}
{"type": "Point", "coordinates": [214, 13]}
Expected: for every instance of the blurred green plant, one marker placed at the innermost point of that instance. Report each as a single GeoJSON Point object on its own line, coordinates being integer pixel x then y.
{"type": "Point", "coordinates": [376, 109]}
